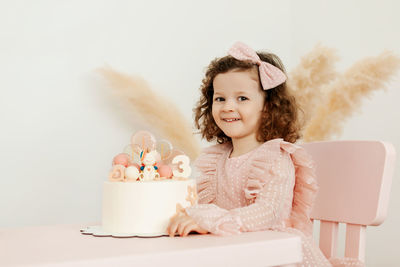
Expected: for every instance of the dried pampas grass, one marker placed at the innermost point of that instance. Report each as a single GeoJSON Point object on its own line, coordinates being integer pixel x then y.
{"type": "Point", "coordinates": [158, 112]}
{"type": "Point", "coordinates": [345, 94]}
{"type": "Point", "coordinates": [306, 82]}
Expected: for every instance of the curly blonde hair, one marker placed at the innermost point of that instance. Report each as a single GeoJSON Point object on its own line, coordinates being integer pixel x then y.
{"type": "Point", "coordinates": [279, 118]}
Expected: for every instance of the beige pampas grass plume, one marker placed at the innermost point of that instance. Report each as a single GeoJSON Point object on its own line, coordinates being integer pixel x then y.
{"type": "Point", "coordinates": [346, 92]}
{"type": "Point", "coordinates": [307, 79]}
{"type": "Point", "coordinates": [154, 110]}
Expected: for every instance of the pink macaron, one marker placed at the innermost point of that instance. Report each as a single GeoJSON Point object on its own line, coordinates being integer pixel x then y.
{"type": "Point", "coordinates": [165, 171]}
{"type": "Point", "coordinates": [121, 159]}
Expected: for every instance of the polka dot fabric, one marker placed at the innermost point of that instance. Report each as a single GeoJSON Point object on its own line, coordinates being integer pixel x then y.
{"type": "Point", "coordinates": [257, 191]}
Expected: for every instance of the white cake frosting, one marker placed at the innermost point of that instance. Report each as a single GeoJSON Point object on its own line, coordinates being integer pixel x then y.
{"type": "Point", "coordinates": [143, 208]}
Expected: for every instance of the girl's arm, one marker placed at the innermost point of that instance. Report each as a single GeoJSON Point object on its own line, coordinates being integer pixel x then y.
{"type": "Point", "coordinates": [272, 204]}
{"type": "Point", "coordinates": [283, 195]}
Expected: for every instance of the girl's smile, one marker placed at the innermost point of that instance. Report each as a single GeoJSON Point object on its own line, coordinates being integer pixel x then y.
{"type": "Point", "coordinates": [230, 119]}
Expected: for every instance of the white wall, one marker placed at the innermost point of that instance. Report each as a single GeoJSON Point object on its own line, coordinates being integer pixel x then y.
{"type": "Point", "coordinates": [60, 128]}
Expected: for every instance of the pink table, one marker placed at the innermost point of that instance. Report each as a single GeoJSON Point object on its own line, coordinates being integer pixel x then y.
{"type": "Point", "coordinates": [64, 245]}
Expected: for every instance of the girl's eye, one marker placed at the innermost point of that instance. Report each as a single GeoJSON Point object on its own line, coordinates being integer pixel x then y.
{"type": "Point", "coordinates": [242, 98]}
{"type": "Point", "coordinates": [219, 99]}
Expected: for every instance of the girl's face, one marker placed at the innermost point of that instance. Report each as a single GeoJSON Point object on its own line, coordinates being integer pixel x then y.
{"type": "Point", "coordinates": [238, 103]}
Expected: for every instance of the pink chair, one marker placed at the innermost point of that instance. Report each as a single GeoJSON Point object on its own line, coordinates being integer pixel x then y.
{"type": "Point", "coordinates": [354, 179]}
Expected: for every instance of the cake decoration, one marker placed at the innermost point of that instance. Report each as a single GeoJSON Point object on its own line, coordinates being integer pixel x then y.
{"type": "Point", "coordinates": [192, 195]}
{"type": "Point", "coordinates": [145, 159]}
{"type": "Point", "coordinates": [118, 173]}
{"type": "Point", "coordinates": [148, 168]}
{"type": "Point", "coordinates": [121, 159]}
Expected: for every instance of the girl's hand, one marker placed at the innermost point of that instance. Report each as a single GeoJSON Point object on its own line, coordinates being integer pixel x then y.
{"type": "Point", "coordinates": [183, 225]}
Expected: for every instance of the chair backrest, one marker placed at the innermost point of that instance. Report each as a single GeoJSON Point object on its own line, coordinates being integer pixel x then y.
{"type": "Point", "coordinates": [354, 179]}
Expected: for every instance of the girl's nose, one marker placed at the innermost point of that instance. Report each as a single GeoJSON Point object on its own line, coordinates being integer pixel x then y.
{"type": "Point", "coordinates": [229, 106]}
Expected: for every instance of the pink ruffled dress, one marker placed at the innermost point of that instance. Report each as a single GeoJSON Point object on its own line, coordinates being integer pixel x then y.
{"type": "Point", "coordinates": [272, 187]}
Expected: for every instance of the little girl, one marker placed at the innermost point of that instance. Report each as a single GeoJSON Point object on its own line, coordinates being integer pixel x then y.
{"type": "Point", "coordinates": [255, 178]}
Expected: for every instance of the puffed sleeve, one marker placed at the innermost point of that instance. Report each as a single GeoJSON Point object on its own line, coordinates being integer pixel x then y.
{"type": "Point", "coordinates": [305, 189]}
{"type": "Point", "coordinates": [206, 163]}
{"type": "Point", "coordinates": [269, 190]}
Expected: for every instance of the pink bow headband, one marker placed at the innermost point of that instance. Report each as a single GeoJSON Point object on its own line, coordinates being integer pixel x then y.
{"type": "Point", "coordinates": [270, 75]}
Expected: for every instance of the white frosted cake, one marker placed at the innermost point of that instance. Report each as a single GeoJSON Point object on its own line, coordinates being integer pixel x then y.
{"type": "Point", "coordinates": [144, 208]}
{"type": "Point", "coordinates": [148, 184]}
